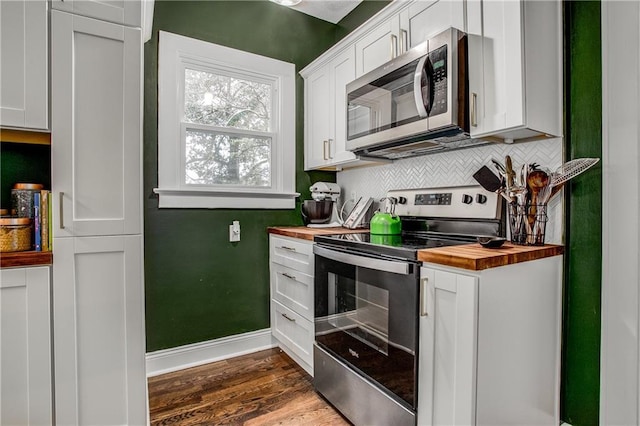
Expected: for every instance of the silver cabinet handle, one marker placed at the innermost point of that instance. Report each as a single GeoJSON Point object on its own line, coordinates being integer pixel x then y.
{"type": "Point", "coordinates": [423, 297]}
{"type": "Point", "coordinates": [474, 106]}
{"type": "Point", "coordinates": [405, 41]}
{"type": "Point", "coordinates": [61, 210]}
{"type": "Point", "coordinates": [291, 277]}
{"type": "Point", "coordinates": [288, 317]}
{"type": "Point", "coordinates": [324, 149]}
{"type": "Point", "coordinates": [287, 248]}
{"type": "Point", "coordinates": [329, 150]}
{"type": "Point", "coordinates": [394, 46]}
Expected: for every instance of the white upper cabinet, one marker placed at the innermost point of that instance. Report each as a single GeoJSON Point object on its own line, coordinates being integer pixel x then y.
{"type": "Point", "coordinates": [325, 112]}
{"type": "Point", "coordinates": [515, 68]}
{"type": "Point", "coordinates": [425, 18]}
{"type": "Point", "coordinates": [124, 12]}
{"type": "Point", "coordinates": [24, 65]}
{"type": "Point", "coordinates": [405, 29]}
{"type": "Point", "coordinates": [96, 127]}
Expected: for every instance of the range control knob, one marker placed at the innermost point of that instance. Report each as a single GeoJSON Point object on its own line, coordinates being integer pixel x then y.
{"type": "Point", "coordinates": [481, 198]}
{"type": "Point", "coordinates": [467, 199]}
{"type": "Point", "coordinates": [402, 200]}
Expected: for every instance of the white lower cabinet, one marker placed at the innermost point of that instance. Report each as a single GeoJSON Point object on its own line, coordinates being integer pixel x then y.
{"type": "Point", "coordinates": [291, 268]}
{"type": "Point", "coordinates": [490, 344]}
{"type": "Point", "coordinates": [98, 305]}
{"type": "Point", "coordinates": [25, 343]}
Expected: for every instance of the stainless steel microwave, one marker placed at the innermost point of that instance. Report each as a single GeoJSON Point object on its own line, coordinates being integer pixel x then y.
{"type": "Point", "coordinates": [414, 104]}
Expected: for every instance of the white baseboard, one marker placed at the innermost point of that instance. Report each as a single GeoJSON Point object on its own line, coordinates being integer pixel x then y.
{"type": "Point", "coordinates": [173, 359]}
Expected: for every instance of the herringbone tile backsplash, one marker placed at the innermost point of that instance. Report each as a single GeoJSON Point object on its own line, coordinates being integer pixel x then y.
{"type": "Point", "coordinates": [455, 168]}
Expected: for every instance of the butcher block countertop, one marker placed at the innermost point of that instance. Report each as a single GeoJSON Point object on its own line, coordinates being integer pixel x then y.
{"type": "Point", "coordinates": [473, 257]}
{"type": "Point", "coordinates": [305, 233]}
{"type": "Point", "coordinates": [476, 258]}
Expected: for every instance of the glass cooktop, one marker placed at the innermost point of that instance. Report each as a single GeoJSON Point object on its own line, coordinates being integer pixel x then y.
{"type": "Point", "coordinates": [405, 246]}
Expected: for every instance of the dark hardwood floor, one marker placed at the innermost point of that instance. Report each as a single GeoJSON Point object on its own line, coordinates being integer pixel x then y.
{"type": "Point", "coordinates": [263, 388]}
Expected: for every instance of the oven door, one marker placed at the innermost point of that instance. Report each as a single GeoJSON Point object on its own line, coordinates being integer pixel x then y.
{"type": "Point", "coordinates": [366, 315]}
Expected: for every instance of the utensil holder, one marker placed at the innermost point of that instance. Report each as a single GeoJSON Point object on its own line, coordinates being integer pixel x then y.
{"type": "Point", "coordinates": [527, 223]}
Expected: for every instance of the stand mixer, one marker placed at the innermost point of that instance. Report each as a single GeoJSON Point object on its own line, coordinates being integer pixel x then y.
{"type": "Point", "coordinates": [323, 192]}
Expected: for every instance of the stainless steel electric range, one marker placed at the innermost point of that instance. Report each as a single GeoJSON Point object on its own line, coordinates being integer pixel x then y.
{"type": "Point", "coordinates": [367, 290]}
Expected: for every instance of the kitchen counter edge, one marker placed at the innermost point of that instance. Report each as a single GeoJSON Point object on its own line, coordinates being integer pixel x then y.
{"type": "Point", "coordinates": [304, 233]}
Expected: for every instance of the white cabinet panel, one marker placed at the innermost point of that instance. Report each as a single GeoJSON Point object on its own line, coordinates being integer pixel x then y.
{"type": "Point", "coordinates": [427, 18]}
{"type": "Point", "coordinates": [295, 333]}
{"type": "Point", "coordinates": [25, 344]}
{"type": "Point", "coordinates": [318, 113]}
{"type": "Point", "coordinates": [24, 64]}
{"type": "Point", "coordinates": [124, 12]}
{"type": "Point", "coordinates": [378, 46]}
{"type": "Point", "coordinates": [448, 333]}
{"type": "Point", "coordinates": [293, 253]}
{"type": "Point", "coordinates": [99, 331]}
{"type": "Point", "coordinates": [96, 122]}
{"type": "Point", "coordinates": [293, 289]}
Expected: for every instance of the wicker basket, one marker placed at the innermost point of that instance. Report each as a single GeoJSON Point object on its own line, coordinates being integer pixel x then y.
{"type": "Point", "coordinates": [15, 234]}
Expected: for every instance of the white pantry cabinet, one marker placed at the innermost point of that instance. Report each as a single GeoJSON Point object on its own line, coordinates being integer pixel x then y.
{"type": "Point", "coordinates": [490, 344]}
{"type": "Point", "coordinates": [124, 12]}
{"type": "Point", "coordinates": [292, 315]}
{"type": "Point", "coordinates": [98, 324]}
{"type": "Point", "coordinates": [515, 68]}
{"type": "Point", "coordinates": [96, 127]}
{"type": "Point", "coordinates": [24, 64]}
{"type": "Point", "coordinates": [98, 285]}
{"type": "Point", "coordinates": [25, 344]}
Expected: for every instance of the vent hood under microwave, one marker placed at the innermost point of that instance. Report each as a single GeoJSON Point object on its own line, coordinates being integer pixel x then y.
{"type": "Point", "coordinates": [415, 104]}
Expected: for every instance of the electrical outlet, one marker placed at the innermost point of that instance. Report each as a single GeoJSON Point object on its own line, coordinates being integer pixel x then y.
{"type": "Point", "coordinates": [353, 196]}
{"type": "Point", "coordinates": [234, 231]}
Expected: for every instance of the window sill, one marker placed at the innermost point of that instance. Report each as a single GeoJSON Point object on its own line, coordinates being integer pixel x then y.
{"type": "Point", "coordinates": [215, 199]}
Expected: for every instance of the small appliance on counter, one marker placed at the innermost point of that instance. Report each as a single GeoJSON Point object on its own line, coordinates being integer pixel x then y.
{"type": "Point", "coordinates": [322, 210]}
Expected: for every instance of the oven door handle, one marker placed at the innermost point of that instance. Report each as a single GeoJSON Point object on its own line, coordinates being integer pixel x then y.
{"type": "Point", "coordinates": [363, 261]}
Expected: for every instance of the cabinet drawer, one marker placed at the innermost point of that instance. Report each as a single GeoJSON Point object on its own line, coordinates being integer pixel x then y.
{"type": "Point", "coordinates": [293, 331]}
{"type": "Point", "coordinates": [292, 252]}
{"type": "Point", "coordinates": [293, 289]}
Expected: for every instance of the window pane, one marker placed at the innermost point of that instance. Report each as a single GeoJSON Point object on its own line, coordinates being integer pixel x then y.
{"type": "Point", "coordinates": [220, 159]}
{"type": "Point", "coordinates": [224, 101]}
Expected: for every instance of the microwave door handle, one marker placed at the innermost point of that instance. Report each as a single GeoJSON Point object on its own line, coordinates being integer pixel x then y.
{"type": "Point", "coordinates": [417, 88]}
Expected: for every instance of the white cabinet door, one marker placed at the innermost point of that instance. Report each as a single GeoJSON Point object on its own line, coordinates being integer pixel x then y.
{"type": "Point", "coordinates": [343, 71]}
{"type": "Point", "coordinates": [124, 12]}
{"type": "Point", "coordinates": [515, 68]}
{"type": "Point", "coordinates": [25, 343]}
{"type": "Point", "coordinates": [96, 127]}
{"type": "Point", "coordinates": [319, 105]}
{"type": "Point", "coordinates": [448, 336]}
{"type": "Point", "coordinates": [379, 46]}
{"type": "Point", "coordinates": [427, 18]}
{"type": "Point", "coordinates": [24, 64]}
{"type": "Point", "coordinates": [98, 305]}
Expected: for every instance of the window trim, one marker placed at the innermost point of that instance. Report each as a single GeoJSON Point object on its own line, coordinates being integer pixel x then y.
{"type": "Point", "coordinates": [177, 53]}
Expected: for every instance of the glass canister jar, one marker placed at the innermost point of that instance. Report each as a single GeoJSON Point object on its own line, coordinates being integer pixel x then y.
{"type": "Point", "coordinates": [15, 234]}
{"type": "Point", "coordinates": [22, 198]}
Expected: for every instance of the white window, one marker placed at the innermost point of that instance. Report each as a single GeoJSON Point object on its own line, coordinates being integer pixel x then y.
{"type": "Point", "coordinates": [226, 127]}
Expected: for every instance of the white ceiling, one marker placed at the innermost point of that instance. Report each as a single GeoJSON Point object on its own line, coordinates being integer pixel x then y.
{"type": "Point", "coordinates": [327, 10]}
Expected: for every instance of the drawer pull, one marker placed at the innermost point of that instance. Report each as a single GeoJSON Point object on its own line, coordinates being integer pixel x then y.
{"type": "Point", "coordinates": [288, 248]}
{"type": "Point", "coordinates": [291, 277]}
{"type": "Point", "coordinates": [288, 317]}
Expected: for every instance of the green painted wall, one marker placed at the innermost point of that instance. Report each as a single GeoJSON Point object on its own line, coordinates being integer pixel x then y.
{"type": "Point", "coordinates": [583, 260]}
{"type": "Point", "coordinates": [21, 162]}
{"type": "Point", "coordinates": [198, 285]}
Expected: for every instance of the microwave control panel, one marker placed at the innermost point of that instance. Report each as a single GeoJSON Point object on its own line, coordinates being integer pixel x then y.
{"type": "Point", "coordinates": [438, 59]}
